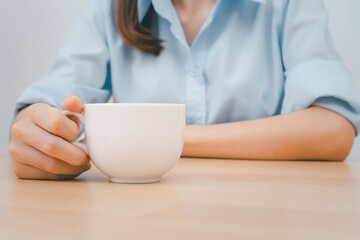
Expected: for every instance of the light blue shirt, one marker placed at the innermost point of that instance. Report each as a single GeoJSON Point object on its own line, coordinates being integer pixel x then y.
{"type": "Point", "coordinates": [251, 59]}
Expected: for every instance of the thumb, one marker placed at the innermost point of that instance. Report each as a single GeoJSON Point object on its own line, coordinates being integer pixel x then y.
{"type": "Point", "coordinates": [73, 103]}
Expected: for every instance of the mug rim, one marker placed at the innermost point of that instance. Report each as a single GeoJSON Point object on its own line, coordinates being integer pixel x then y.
{"type": "Point", "coordinates": [134, 104]}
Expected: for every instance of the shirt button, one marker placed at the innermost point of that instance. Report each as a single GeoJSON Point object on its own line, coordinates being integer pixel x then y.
{"type": "Point", "coordinates": [194, 72]}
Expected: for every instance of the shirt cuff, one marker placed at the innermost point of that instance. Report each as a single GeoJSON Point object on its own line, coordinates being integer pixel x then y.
{"type": "Point", "coordinates": [324, 83]}
{"type": "Point", "coordinates": [340, 107]}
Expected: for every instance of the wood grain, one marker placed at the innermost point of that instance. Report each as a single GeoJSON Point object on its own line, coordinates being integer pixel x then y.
{"type": "Point", "coordinates": [198, 199]}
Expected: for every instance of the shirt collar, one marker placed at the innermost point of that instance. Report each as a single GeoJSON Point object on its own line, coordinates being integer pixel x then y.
{"type": "Point", "coordinates": [143, 6]}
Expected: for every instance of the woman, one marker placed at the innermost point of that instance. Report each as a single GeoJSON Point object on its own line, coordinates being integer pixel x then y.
{"type": "Point", "coordinates": [260, 78]}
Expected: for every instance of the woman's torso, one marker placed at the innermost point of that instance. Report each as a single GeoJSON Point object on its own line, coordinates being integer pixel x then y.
{"type": "Point", "coordinates": [233, 71]}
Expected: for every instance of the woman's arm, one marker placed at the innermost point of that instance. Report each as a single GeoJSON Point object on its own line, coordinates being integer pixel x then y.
{"type": "Point", "coordinates": [313, 133]}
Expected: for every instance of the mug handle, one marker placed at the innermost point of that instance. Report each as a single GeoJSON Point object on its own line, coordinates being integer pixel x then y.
{"type": "Point", "coordinates": [82, 121]}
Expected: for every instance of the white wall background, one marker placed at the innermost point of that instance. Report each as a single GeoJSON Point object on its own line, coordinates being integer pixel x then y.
{"type": "Point", "coordinates": [33, 31]}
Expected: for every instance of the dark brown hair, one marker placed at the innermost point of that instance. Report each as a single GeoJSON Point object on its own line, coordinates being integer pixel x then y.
{"type": "Point", "coordinates": [134, 33]}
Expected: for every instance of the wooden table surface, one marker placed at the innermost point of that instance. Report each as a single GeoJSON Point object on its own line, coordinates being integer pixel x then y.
{"type": "Point", "coordinates": [198, 199]}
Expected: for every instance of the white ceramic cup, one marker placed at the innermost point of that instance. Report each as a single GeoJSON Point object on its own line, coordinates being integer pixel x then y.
{"type": "Point", "coordinates": [133, 143]}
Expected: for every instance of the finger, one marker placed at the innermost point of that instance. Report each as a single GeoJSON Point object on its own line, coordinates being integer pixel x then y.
{"type": "Point", "coordinates": [35, 158]}
{"type": "Point", "coordinates": [54, 146]}
{"type": "Point", "coordinates": [53, 121]}
{"type": "Point", "coordinates": [24, 171]}
{"type": "Point", "coordinates": [73, 103]}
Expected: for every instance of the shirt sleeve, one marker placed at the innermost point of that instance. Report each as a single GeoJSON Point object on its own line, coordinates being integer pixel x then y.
{"type": "Point", "coordinates": [314, 71]}
{"type": "Point", "coordinates": [82, 67]}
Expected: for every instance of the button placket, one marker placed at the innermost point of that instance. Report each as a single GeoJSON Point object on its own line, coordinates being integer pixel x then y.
{"type": "Point", "coordinates": [196, 82]}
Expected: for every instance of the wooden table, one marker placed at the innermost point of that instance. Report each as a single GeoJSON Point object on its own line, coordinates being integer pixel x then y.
{"type": "Point", "coordinates": [198, 199]}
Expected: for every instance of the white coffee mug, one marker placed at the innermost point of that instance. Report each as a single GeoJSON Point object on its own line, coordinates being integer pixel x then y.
{"type": "Point", "coordinates": [133, 143]}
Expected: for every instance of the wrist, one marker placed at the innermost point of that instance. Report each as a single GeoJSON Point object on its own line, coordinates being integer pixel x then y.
{"type": "Point", "coordinates": [191, 139]}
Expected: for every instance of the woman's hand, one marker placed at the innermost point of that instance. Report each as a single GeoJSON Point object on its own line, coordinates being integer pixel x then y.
{"type": "Point", "coordinates": [40, 145]}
